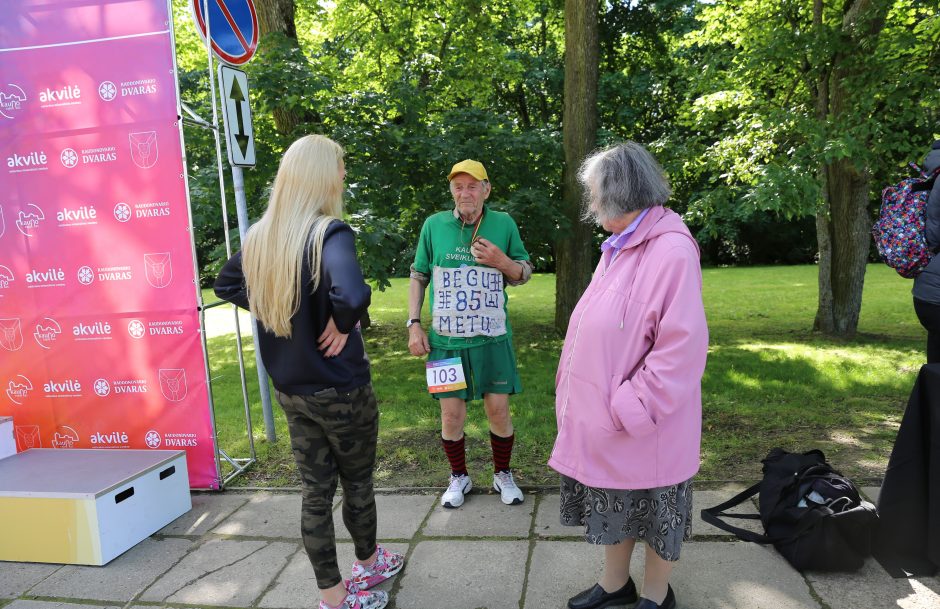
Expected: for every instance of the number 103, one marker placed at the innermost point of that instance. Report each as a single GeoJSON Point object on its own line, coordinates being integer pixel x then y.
{"type": "Point", "coordinates": [444, 375]}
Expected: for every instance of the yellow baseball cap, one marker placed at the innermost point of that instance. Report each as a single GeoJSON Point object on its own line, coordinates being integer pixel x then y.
{"type": "Point", "coordinates": [474, 168]}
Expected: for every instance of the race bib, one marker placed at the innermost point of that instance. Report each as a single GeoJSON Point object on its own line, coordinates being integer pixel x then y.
{"type": "Point", "coordinates": [445, 375]}
{"type": "Point", "coordinates": [468, 301]}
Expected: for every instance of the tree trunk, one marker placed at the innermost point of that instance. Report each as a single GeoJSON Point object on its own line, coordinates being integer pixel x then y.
{"type": "Point", "coordinates": [573, 247]}
{"type": "Point", "coordinates": [278, 16]}
{"type": "Point", "coordinates": [847, 228]}
{"type": "Point", "coordinates": [842, 233]}
{"type": "Point", "coordinates": [824, 322]}
{"type": "Point", "coordinates": [842, 221]}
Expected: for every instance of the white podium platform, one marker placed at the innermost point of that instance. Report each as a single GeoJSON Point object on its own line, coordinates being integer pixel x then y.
{"type": "Point", "coordinates": [86, 506]}
{"type": "Point", "coordinates": [7, 441]}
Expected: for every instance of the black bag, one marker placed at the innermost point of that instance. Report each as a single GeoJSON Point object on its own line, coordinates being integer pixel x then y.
{"type": "Point", "coordinates": [812, 514]}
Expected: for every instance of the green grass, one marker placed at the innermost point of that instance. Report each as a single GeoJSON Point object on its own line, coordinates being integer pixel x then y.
{"type": "Point", "coordinates": [769, 382]}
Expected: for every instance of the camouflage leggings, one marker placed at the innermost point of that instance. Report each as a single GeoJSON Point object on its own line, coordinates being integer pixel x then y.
{"type": "Point", "coordinates": [333, 435]}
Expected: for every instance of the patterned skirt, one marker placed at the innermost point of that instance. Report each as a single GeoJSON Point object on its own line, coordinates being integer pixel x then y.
{"type": "Point", "coordinates": [662, 517]}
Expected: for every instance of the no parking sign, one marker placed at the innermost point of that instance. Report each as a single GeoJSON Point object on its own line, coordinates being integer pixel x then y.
{"type": "Point", "coordinates": [233, 25]}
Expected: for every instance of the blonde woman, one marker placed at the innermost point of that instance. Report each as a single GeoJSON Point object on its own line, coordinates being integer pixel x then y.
{"type": "Point", "coordinates": [298, 274]}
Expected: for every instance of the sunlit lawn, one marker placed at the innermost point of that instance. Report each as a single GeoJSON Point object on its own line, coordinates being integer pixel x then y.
{"type": "Point", "coordinates": [770, 381]}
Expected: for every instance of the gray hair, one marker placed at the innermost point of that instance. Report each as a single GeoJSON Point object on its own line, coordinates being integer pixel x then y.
{"type": "Point", "coordinates": [621, 179]}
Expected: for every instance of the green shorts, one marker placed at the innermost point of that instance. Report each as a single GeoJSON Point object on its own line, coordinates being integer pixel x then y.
{"type": "Point", "coordinates": [489, 368]}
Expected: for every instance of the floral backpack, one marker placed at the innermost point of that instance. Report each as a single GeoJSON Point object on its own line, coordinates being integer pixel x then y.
{"type": "Point", "coordinates": [900, 233]}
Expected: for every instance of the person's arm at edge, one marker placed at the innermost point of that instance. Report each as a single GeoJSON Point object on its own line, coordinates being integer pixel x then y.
{"type": "Point", "coordinates": [931, 163]}
{"type": "Point", "coordinates": [230, 284]}
{"type": "Point", "coordinates": [519, 275]}
{"type": "Point", "coordinates": [350, 295]}
{"type": "Point", "coordinates": [519, 256]}
{"type": "Point", "coordinates": [417, 338]}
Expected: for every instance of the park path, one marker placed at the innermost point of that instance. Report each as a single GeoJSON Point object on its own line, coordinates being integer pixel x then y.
{"type": "Point", "coordinates": [242, 549]}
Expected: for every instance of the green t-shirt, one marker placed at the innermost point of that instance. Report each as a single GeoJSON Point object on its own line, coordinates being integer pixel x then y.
{"type": "Point", "coordinates": [467, 301]}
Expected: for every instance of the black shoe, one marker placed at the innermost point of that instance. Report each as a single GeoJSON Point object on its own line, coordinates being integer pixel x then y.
{"type": "Point", "coordinates": [668, 603]}
{"type": "Point", "coordinates": [595, 597]}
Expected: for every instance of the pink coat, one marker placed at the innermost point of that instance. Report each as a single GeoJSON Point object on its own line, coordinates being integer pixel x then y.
{"type": "Point", "coordinates": [628, 390]}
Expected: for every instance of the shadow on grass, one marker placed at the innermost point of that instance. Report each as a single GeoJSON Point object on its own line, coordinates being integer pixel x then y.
{"type": "Point", "coordinates": [829, 395]}
{"type": "Point", "coordinates": [794, 392]}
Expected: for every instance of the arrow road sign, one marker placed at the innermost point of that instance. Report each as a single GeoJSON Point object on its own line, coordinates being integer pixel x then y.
{"type": "Point", "coordinates": [239, 133]}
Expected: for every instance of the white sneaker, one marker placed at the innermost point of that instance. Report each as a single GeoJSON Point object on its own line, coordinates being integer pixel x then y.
{"type": "Point", "coordinates": [506, 486]}
{"type": "Point", "coordinates": [459, 486]}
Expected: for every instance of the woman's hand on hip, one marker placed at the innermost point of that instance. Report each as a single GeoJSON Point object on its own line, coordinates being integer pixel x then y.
{"type": "Point", "coordinates": [332, 341]}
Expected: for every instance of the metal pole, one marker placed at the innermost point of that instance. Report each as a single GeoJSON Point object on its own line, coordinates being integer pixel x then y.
{"type": "Point", "coordinates": [241, 209]}
{"type": "Point", "coordinates": [228, 241]}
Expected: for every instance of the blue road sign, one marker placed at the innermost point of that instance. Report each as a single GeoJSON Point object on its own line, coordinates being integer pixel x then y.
{"type": "Point", "coordinates": [233, 25]}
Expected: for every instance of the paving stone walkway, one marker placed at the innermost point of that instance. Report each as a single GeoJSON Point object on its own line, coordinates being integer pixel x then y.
{"type": "Point", "coordinates": [243, 550]}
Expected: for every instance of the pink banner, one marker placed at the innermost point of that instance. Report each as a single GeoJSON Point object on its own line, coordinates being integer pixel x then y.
{"type": "Point", "coordinates": [100, 344]}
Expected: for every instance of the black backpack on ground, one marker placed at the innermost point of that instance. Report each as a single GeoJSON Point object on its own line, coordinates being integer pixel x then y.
{"type": "Point", "coordinates": [812, 514]}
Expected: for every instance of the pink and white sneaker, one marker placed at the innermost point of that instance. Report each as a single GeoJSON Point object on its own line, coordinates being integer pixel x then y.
{"type": "Point", "coordinates": [357, 599]}
{"type": "Point", "coordinates": [385, 566]}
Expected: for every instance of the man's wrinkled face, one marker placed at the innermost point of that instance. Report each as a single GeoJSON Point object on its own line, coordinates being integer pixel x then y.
{"type": "Point", "coordinates": [469, 194]}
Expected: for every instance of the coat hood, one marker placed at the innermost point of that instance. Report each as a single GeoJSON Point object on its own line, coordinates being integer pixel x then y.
{"type": "Point", "coordinates": [932, 160]}
{"type": "Point", "coordinates": [659, 221]}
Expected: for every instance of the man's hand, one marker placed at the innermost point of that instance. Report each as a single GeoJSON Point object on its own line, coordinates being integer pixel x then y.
{"type": "Point", "coordinates": [418, 340]}
{"type": "Point", "coordinates": [332, 341]}
{"type": "Point", "coordinates": [484, 252]}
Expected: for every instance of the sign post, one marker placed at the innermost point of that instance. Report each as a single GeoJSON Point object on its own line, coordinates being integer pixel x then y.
{"type": "Point", "coordinates": [240, 143]}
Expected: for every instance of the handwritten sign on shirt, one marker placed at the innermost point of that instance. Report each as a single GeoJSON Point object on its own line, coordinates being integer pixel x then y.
{"type": "Point", "coordinates": [468, 301]}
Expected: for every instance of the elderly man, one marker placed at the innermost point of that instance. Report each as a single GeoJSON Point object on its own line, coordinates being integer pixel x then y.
{"type": "Point", "coordinates": [467, 255]}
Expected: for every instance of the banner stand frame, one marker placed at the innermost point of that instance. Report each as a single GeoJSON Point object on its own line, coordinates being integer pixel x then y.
{"type": "Point", "coordinates": [239, 465]}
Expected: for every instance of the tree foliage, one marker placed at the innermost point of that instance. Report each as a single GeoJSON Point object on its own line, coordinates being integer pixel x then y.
{"type": "Point", "coordinates": [809, 108]}
{"type": "Point", "coordinates": [724, 93]}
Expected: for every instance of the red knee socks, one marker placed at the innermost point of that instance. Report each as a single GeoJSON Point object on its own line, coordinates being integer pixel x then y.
{"type": "Point", "coordinates": [454, 449]}
{"type": "Point", "coordinates": [502, 451]}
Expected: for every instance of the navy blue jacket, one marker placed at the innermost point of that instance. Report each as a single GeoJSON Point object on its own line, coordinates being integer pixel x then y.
{"type": "Point", "coordinates": [927, 284]}
{"type": "Point", "coordinates": [295, 364]}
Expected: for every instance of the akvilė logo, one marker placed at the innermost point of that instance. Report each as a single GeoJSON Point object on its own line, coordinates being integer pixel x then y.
{"type": "Point", "coordinates": [34, 160]}
{"type": "Point", "coordinates": [47, 332]}
{"type": "Point", "coordinates": [153, 439]}
{"type": "Point", "coordinates": [12, 100]}
{"type": "Point", "coordinates": [67, 95]}
{"type": "Point", "coordinates": [29, 218]}
{"type": "Point", "coordinates": [18, 389]}
{"type": "Point", "coordinates": [117, 439]}
{"type": "Point", "coordinates": [65, 437]}
{"type": "Point", "coordinates": [94, 329]}
{"type": "Point", "coordinates": [11, 334]}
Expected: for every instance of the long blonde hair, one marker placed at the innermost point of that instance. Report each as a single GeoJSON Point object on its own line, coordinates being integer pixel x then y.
{"type": "Point", "coordinates": [307, 195]}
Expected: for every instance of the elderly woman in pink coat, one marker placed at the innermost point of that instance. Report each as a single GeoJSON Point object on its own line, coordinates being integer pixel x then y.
{"type": "Point", "coordinates": [628, 388]}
